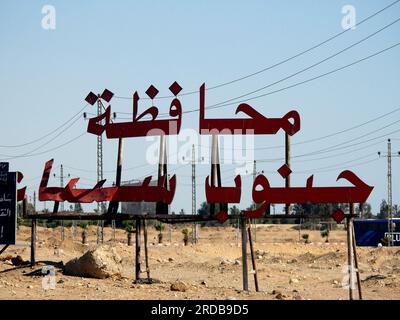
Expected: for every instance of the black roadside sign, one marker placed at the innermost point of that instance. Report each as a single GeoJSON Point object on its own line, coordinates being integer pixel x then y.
{"type": "Point", "coordinates": [8, 205]}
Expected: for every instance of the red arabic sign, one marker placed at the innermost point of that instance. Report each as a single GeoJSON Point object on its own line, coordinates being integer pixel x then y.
{"type": "Point", "coordinates": [254, 123]}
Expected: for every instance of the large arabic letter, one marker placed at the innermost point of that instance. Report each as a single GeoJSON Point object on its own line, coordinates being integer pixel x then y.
{"type": "Point", "coordinates": [258, 213]}
{"type": "Point", "coordinates": [20, 176]}
{"type": "Point", "coordinates": [21, 194]}
{"type": "Point", "coordinates": [251, 112]}
{"type": "Point", "coordinates": [202, 121]}
{"type": "Point", "coordinates": [146, 181]}
{"type": "Point", "coordinates": [99, 184]}
{"type": "Point", "coordinates": [175, 110]}
{"type": "Point", "coordinates": [71, 184]}
{"type": "Point", "coordinates": [310, 181]}
{"type": "Point", "coordinates": [363, 190]}
{"type": "Point", "coordinates": [153, 111]}
{"type": "Point", "coordinates": [46, 174]}
{"type": "Point", "coordinates": [259, 196]}
{"type": "Point", "coordinates": [94, 127]}
{"type": "Point", "coordinates": [291, 128]}
{"type": "Point", "coordinates": [135, 105]}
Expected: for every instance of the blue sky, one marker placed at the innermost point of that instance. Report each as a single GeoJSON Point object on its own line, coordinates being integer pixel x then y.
{"type": "Point", "coordinates": [127, 45]}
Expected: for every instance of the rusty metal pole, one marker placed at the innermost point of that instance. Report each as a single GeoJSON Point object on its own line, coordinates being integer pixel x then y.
{"type": "Point", "coordinates": [244, 254]}
{"type": "Point", "coordinates": [137, 251]}
{"type": "Point", "coordinates": [161, 207]}
{"type": "Point", "coordinates": [253, 261]}
{"type": "Point", "coordinates": [356, 262]}
{"type": "Point", "coordinates": [287, 161]}
{"type": "Point", "coordinates": [113, 205]}
{"type": "Point", "coordinates": [349, 254]}
{"type": "Point", "coordinates": [146, 254]}
{"type": "Point", "coordinates": [33, 242]}
{"type": "Point", "coordinates": [214, 161]}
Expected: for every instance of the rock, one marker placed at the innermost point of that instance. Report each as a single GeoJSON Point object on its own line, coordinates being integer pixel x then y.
{"type": "Point", "coordinates": [179, 286]}
{"type": "Point", "coordinates": [281, 296]}
{"type": "Point", "coordinates": [18, 261]}
{"type": "Point", "coordinates": [237, 263]}
{"type": "Point", "coordinates": [30, 287]}
{"type": "Point", "coordinates": [60, 281]}
{"type": "Point", "coordinates": [170, 259]}
{"type": "Point", "coordinates": [203, 283]}
{"type": "Point", "coordinates": [231, 298]}
{"type": "Point", "coordinates": [335, 282]}
{"type": "Point", "coordinates": [298, 297]}
{"type": "Point", "coordinates": [5, 258]}
{"type": "Point", "coordinates": [276, 292]}
{"type": "Point", "coordinates": [293, 280]}
{"type": "Point", "coordinates": [227, 262]}
{"type": "Point", "coordinates": [101, 262]}
{"type": "Point", "coordinates": [260, 252]}
{"type": "Point", "coordinates": [259, 257]}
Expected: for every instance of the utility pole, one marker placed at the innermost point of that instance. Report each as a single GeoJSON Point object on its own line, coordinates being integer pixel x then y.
{"type": "Point", "coordinates": [389, 156]}
{"type": "Point", "coordinates": [34, 201]}
{"type": "Point", "coordinates": [194, 226]}
{"type": "Point", "coordinates": [62, 203]}
{"type": "Point", "coordinates": [92, 98]}
{"type": "Point", "coordinates": [100, 223]}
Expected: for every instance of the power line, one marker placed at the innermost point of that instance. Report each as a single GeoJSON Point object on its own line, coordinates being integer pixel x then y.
{"type": "Point", "coordinates": [327, 150]}
{"type": "Point", "coordinates": [48, 134]}
{"type": "Point", "coordinates": [342, 146]}
{"type": "Point", "coordinates": [334, 147]}
{"type": "Point", "coordinates": [338, 164]}
{"type": "Point", "coordinates": [217, 105]}
{"type": "Point", "coordinates": [334, 133]}
{"type": "Point", "coordinates": [311, 66]}
{"type": "Point", "coordinates": [278, 63]}
{"type": "Point", "coordinates": [319, 138]}
{"type": "Point", "coordinates": [340, 168]}
{"type": "Point", "coordinates": [42, 145]}
{"type": "Point", "coordinates": [48, 150]}
{"type": "Point", "coordinates": [359, 137]}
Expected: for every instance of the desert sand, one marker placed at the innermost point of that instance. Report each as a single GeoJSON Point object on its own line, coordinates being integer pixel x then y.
{"type": "Point", "coordinates": [287, 267]}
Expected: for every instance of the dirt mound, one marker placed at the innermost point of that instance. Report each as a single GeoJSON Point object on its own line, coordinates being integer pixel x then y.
{"type": "Point", "coordinates": [307, 257]}
{"type": "Point", "coordinates": [101, 262]}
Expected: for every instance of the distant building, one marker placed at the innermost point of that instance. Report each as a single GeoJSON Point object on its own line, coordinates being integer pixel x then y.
{"type": "Point", "coordinates": [138, 207]}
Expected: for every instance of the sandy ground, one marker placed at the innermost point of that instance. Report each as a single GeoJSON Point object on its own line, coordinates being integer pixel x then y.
{"type": "Point", "coordinates": [211, 269]}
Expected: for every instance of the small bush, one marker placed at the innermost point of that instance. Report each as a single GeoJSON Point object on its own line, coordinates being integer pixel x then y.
{"type": "Point", "coordinates": [305, 236]}
{"type": "Point", "coordinates": [186, 234]}
{"type": "Point", "coordinates": [325, 234]}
